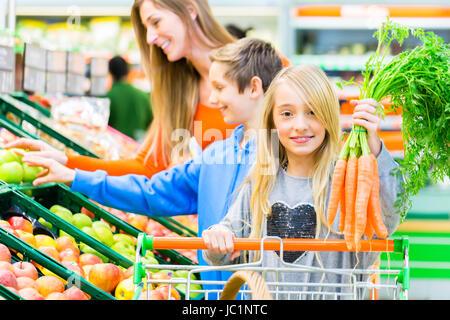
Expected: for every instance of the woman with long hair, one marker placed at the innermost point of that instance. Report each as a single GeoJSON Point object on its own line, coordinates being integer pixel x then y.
{"type": "Point", "coordinates": [175, 38]}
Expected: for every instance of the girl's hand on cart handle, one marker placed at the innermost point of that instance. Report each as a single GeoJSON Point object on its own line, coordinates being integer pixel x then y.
{"type": "Point", "coordinates": [54, 171]}
{"type": "Point", "coordinates": [220, 240]}
{"type": "Point", "coordinates": [365, 116]}
{"type": "Point", "coordinates": [43, 149]}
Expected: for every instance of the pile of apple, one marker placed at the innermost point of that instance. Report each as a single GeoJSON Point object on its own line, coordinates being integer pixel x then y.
{"type": "Point", "coordinates": [66, 251]}
{"type": "Point", "coordinates": [13, 170]}
{"type": "Point", "coordinates": [122, 243]}
{"type": "Point", "coordinates": [23, 279]}
{"type": "Point", "coordinates": [152, 227]}
{"type": "Point", "coordinates": [157, 291]}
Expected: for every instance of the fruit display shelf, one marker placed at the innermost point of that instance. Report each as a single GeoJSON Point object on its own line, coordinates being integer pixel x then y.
{"type": "Point", "coordinates": [30, 253]}
{"type": "Point", "coordinates": [50, 194]}
{"type": "Point", "coordinates": [22, 96]}
{"type": "Point", "coordinates": [8, 295]}
{"type": "Point", "coordinates": [24, 114]}
{"type": "Point", "coordinates": [28, 208]}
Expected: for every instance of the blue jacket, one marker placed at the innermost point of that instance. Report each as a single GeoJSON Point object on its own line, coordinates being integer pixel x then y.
{"type": "Point", "coordinates": [205, 185]}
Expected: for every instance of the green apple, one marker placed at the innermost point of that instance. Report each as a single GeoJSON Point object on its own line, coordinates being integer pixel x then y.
{"type": "Point", "coordinates": [64, 215]}
{"type": "Point", "coordinates": [57, 207]}
{"type": "Point", "coordinates": [7, 156]}
{"type": "Point", "coordinates": [149, 260]}
{"type": "Point", "coordinates": [130, 257]}
{"type": "Point", "coordinates": [28, 192]}
{"type": "Point", "coordinates": [123, 248]}
{"type": "Point", "coordinates": [11, 172]}
{"type": "Point", "coordinates": [90, 231]}
{"type": "Point", "coordinates": [183, 274]}
{"type": "Point", "coordinates": [182, 288]}
{"type": "Point", "coordinates": [30, 172]}
{"type": "Point", "coordinates": [100, 223]}
{"type": "Point", "coordinates": [81, 220]}
{"type": "Point", "coordinates": [45, 223]}
{"type": "Point", "coordinates": [104, 234]}
{"type": "Point", "coordinates": [120, 237]}
{"type": "Point", "coordinates": [148, 253]}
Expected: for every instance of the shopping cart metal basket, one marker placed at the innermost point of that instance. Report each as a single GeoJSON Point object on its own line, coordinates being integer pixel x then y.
{"type": "Point", "coordinates": [254, 280]}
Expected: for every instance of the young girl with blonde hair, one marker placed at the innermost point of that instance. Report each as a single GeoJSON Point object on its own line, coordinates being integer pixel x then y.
{"type": "Point", "coordinates": [287, 191]}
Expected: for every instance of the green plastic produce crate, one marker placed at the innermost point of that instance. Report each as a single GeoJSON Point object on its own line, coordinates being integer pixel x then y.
{"type": "Point", "coordinates": [8, 295]}
{"type": "Point", "coordinates": [33, 254]}
{"type": "Point", "coordinates": [54, 193]}
{"type": "Point", "coordinates": [7, 107]}
{"type": "Point", "coordinates": [34, 210]}
{"type": "Point", "coordinates": [22, 96]}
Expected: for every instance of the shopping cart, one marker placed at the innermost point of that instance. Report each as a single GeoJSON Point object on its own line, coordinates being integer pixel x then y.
{"type": "Point", "coordinates": [254, 280]}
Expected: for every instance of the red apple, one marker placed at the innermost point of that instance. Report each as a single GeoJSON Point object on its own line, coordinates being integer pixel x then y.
{"type": "Point", "coordinates": [152, 295]}
{"type": "Point", "coordinates": [89, 259]}
{"type": "Point", "coordinates": [106, 276]}
{"type": "Point", "coordinates": [27, 237]}
{"type": "Point", "coordinates": [19, 223]}
{"type": "Point", "coordinates": [49, 284]}
{"type": "Point", "coordinates": [30, 294]}
{"type": "Point", "coordinates": [65, 242]}
{"type": "Point", "coordinates": [128, 273]}
{"type": "Point", "coordinates": [161, 275]}
{"type": "Point", "coordinates": [25, 269]}
{"type": "Point", "coordinates": [75, 267]}
{"type": "Point", "coordinates": [6, 266]}
{"type": "Point", "coordinates": [74, 293]}
{"type": "Point", "coordinates": [56, 296]}
{"type": "Point", "coordinates": [13, 290]}
{"type": "Point", "coordinates": [51, 252]}
{"type": "Point", "coordinates": [138, 221]}
{"type": "Point", "coordinates": [8, 279]}
{"type": "Point", "coordinates": [68, 255]}
{"type": "Point", "coordinates": [120, 214]}
{"type": "Point", "coordinates": [25, 282]}
{"type": "Point", "coordinates": [88, 213]}
{"type": "Point", "coordinates": [164, 289]}
{"type": "Point", "coordinates": [5, 254]}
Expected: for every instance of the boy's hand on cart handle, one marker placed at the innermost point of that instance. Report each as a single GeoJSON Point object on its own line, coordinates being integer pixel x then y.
{"type": "Point", "coordinates": [54, 171]}
{"type": "Point", "coordinates": [34, 145]}
{"type": "Point", "coordinates": [365, 116]}
{"type": "Point", "coordinates": [220, 240]}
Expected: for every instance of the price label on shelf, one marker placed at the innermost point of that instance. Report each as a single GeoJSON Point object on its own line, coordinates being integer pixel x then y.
{"type": "Point", "coordinates": [6, 69]}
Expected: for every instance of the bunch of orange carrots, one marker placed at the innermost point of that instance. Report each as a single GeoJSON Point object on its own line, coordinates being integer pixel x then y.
{"type": "Point", "coordinates": [355, 189]}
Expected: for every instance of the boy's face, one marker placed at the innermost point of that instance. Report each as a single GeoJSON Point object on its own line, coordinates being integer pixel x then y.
{"type": "Point", "coordinates": [235, 107]}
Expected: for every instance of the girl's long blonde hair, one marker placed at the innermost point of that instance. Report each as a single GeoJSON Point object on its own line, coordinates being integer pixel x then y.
{"type": "Point", "coordinates": [316, 91]}
{"type": "Point", "coordinates": [175, 85]}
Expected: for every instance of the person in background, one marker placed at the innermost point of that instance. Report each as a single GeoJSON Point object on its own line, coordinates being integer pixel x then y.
{"type": "Point", "coordinates": [130, 109]}
{"type": "Point", "coordinates": [237, 32]}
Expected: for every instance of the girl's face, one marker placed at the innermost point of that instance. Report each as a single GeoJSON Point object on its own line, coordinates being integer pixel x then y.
{"type": "Point", "coordinates": [165, 30]}
{"type": "Point", "coordinates": [299, 130]}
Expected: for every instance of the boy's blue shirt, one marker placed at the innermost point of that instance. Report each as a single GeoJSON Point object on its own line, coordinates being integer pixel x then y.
{"type": "Point", "coordinates": [205, 185]}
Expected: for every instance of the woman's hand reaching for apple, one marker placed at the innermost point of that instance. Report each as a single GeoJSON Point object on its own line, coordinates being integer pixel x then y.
{"type": "Point", "coordinates": [38, 148]}
{"type": "Point", "coordinates": [53, 170]}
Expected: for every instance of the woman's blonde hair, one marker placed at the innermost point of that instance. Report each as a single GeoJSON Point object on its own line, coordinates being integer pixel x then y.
{"type": "Point", "coordinates": [316, 91]}
{"type": "Point", "coordinates": [175, 85]}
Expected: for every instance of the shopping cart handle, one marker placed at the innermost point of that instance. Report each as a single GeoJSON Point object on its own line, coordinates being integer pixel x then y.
{"type": "Point", "coordinates": [152, 243]}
